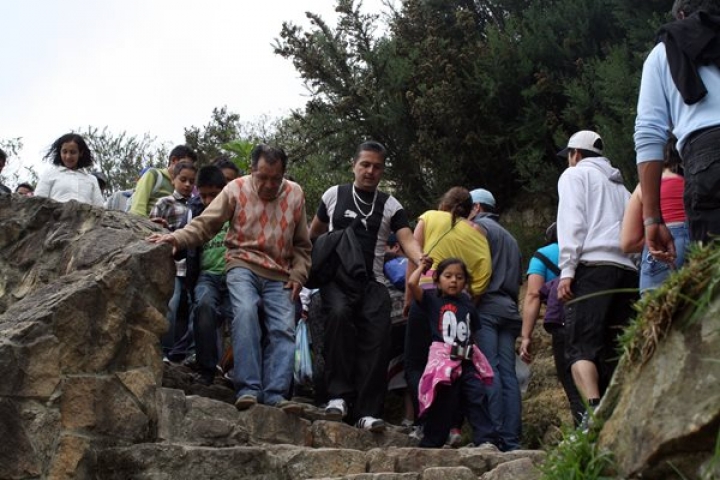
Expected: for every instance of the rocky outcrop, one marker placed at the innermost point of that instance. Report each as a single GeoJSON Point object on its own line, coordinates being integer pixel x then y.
{"type": "Point", "coordinates": [666, 412]}
{"type": "Point", "coordinates": [82, 300]}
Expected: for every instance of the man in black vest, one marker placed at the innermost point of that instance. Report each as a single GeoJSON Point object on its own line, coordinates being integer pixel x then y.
{"type": "Point", "coordinates": [357, 326]}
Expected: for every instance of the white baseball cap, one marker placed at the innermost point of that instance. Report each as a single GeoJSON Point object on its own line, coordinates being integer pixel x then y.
{"type": "Point", "coordinates": [583, 140]}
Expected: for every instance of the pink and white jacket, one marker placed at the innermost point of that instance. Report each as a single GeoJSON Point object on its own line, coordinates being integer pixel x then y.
{"type": "Point", "coordinates": [443, 370]}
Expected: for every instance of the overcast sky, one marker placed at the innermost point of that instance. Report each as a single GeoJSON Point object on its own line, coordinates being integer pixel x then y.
{"type": "Point", "coordinates": [139, 66]}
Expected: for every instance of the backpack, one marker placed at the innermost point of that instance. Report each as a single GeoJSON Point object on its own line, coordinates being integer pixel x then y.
{"type": "Point", "coordinates": [155, 189]}
{"type": "Point", "coordinates": [554, 311]}
{"type": "Point", "coordinates": [119, 200]}
{"type": "Point", "coordinates": [395, 270]}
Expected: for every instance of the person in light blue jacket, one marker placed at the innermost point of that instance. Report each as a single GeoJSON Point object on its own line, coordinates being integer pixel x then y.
{"type": "Point", "coordinates": [680, 94]}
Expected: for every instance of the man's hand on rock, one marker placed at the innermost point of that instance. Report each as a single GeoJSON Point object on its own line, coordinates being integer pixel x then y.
{"type": "Point", "coordinates": [163, 238]}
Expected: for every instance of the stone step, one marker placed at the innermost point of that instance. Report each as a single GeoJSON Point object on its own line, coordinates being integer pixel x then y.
{"type": "Point", "coordinates": [201, 421]}
{"type": "Point", "coordinates": [289, 462]}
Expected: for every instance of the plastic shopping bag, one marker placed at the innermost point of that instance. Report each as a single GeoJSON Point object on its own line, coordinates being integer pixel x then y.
{"type": "Point", "coordinates": [303, 358]}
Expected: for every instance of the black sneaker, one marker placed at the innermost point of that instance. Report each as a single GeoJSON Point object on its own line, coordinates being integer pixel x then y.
{"type": "Point", "coordinates": [371, 424]}
{"type": "Point", "coordinates": [336, 409]}
{"type": "Point", "coordinates": [586, 422]}
{"type": "Point", "coordinates": [205, 379]}
{"type": "Point", "coordinates": [191, 362]}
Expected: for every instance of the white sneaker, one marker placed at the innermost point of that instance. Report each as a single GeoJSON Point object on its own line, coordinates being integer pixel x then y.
{"type": "Point", "coordinates": [416, 433]}
{"type": "Point", "coordinates": [487, 446]}
{"type": "Point", "coordinates": [454, 438]}
{"type": "Point", "coordinates": [407, 423]}
{"type": "Point", "coordinates": [371, 424]}
{"type": "Point", "coordinates": [336, 409]}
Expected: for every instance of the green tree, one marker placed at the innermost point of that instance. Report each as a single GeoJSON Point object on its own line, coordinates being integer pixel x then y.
{"type": "Point", "coordinates": [122, 156]}
{"type": "Point", "coordinates": [12, 148]}
{"type": "Point", "coordinates": [240, 150]}
{"type": "Point", "coordinates": [469, 92]}
{"type": "Point", "coordinates": [226, 135]}
{"type": "Point", "coordinates": [310, 167]}
{"type": "Point", "coordinates": [207, 141]}
{"type": "Point", "coordinates": [353, 97]}
{"type": "Point", "coordinates": [577, 65]}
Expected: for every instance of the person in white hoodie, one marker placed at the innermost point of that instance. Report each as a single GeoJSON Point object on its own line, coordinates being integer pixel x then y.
{"type": "Point", "coordinates": [590, 213]}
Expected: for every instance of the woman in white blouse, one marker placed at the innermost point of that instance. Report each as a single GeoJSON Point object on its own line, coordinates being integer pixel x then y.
{"type": "Point", "coordinates": [67, 180]}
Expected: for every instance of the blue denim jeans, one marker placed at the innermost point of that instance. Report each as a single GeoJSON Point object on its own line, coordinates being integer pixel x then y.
{"type": "Point", "coordinates": [496, 339]}
{"type": "Point", "coordinates": [263, 367]}
{"type": "Point", "coordinates": [177, 317]}
{"type": "Point", "coordinates": [654, 272]}
{"type": "Point", "coordinates": [212, 307]}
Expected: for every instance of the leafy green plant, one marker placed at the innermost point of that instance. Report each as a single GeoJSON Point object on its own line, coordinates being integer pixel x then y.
{"type": "Point", "coordinates": [241, 153]}
{"type": "Point", "coordinates": [578, 457]}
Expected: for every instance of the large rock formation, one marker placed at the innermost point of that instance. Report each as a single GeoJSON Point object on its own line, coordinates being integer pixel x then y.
{"type": "Point", "coordinates": [82, 305]}
{"type": "Point", "coordinates": [666, 411]}
{"type": "Point", "coordinates": [82, 301]}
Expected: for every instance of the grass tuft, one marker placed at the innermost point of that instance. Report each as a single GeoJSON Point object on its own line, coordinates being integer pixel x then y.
{"type": "Point", "coordinates": [683, 297]}
{"type": "Point", "coordinates": [578, 457]}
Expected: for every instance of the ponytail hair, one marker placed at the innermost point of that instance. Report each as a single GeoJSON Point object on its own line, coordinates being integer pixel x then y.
{"type": "Point", "coordinates": [458, 202]}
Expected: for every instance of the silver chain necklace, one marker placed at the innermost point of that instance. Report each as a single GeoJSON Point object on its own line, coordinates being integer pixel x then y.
{"type": "Point", "coordinates": [356, 199]}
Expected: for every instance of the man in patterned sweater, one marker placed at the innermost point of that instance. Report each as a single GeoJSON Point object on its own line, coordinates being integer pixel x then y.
{"type": "Point", "coordinates": [268, 258]}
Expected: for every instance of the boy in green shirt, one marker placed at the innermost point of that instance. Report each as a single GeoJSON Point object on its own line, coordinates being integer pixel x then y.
{"type": "Point", "coordinates": [206, 280]}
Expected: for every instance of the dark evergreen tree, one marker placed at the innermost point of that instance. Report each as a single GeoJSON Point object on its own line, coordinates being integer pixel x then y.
{"type": "Point", "coordinates": [472, 93]}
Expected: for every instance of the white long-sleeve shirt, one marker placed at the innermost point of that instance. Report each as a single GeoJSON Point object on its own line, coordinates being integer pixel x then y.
{"type": "Point", "coordinates": [62, 184]}
{"type": "Point", "coordinates": [590, 213]}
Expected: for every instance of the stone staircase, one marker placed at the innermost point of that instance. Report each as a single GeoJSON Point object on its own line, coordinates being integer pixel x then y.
{"type": "Point", "coordinates": [200, 437]}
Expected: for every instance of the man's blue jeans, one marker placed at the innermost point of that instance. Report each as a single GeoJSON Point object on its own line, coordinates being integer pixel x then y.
{"type": "Point", "coordinates": [177, 317]}
{"type": "Point", "coordinates": [496, 339]}
{"type": "Point", "coordinates": [262, 367]}
{"type": "Point", "coordinates": [212, 306]}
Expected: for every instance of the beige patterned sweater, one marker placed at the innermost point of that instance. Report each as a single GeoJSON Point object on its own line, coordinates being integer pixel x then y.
{"type": "Point", "coordinates": [268, 237]}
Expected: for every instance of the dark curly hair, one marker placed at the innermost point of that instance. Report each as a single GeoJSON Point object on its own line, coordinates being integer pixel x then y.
{"type": "Point", "coordinates": [86, 157]}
